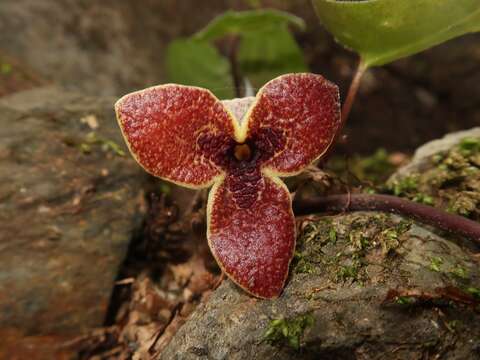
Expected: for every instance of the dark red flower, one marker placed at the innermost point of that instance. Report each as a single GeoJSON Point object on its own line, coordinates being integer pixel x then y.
{"type": "Point", "coordinates": [185, 135]}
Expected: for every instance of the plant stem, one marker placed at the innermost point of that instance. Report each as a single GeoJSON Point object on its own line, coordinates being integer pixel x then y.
{"type": "Point", "coordinates": [365, 202]}
{"type": "Point", "coordinates": [232, 56]}
{"type": "Point", "coordinates": [347, 105]}
{"type": "Point", "coordinates": [352, 93]}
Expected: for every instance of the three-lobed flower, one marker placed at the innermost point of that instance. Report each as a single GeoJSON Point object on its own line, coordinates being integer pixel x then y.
{"type": "Point", "coordinates": [185, 135]}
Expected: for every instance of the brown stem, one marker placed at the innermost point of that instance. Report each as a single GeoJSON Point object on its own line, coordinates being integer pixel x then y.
{"type": "Point", "coordinates": [347, 105]}
{"type": "Point", "coordinates": [366, 202]}
{"type": "Point", "coordinates": [352, 93]}
{"type": "Point", "coordinates": [232, 55]}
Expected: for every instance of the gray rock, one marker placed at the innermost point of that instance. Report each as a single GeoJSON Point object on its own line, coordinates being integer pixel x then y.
{"type": "Point", "coordinates": [69, 202]}
{"type": "Point", "coordinates": [371, 286]}
{"type": "Point", "coordinates": [424, 153]}
{"type": "Point", "coordinates": [444, 173]}
{"type": "Point", "coordinates": [98, 47]}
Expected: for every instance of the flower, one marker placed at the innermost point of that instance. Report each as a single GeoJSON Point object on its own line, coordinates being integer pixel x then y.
{"type": "Point", "coordinates": [185, 135]}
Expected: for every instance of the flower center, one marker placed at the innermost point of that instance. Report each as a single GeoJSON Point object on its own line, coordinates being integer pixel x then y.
{"type": "Point", "coordinates": [242, 152]}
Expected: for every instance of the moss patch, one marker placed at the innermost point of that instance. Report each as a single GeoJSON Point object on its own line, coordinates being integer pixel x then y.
{"type": "Point", "coordinates": [344, 247]}
{"type": "Point", "coordinates": [450, 180]}
{"type": "Point", "coordinates": [91, 142]}
{"type": "Point", "coordinates": [106, 145]}
{"type": "Point", "coordinates": [436, 263]}
{"type": "Point", "coordinates": [408, 187]}
{"type": "Point", "coordinates": [288, 331]}
{"type": "Point", "coordinates": [373, 169]}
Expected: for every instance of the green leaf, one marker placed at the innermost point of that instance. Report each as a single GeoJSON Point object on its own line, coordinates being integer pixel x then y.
{"type": "Point", "coordinates": [197, 63]}
{"type": "Point", "coordinates": [268, 53]}
{"type": "Point", "coordinates": [244, 22]}
{"type": "Point", "coordinates": [267, 49]}
{"type": "Point", "coordinates": [382, 31]}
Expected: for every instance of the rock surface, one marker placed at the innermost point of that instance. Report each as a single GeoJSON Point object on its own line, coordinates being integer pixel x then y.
{"type": "Point", "coordinates": [100, 47]}
{"type": "Point", "coordinates": [362, 286]}
{"type": "Point", "coordinates": [69, 202]}
{"type": "Point", "coordinates": [425, 152]}
{"type": "Point", "coordinates": [444, 173]}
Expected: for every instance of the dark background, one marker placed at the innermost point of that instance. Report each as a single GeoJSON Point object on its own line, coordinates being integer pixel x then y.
{"type": "Point", "coordinates": [113, 47]}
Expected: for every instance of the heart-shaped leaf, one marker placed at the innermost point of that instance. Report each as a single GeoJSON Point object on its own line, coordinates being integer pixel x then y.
{"type": "Point", "coordinates": [266, 50]}
{"type": "Point", "coordinates": [198, 63]}
{"type": "Point", "coordinates": [382, 31]}
{"type": "Point", "coordinates": [264, 55]}
{"type": "Point", "coordinates": [243, 22]}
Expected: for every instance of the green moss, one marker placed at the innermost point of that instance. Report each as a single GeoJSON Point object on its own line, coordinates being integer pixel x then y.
{"type": "Point", "coordinates": [389, 240]}
{"type": "Point", "coordinates": [460, 272]}
{"type": "Point", "coordinates": [348, 272]}
{"type": "Point", "coordinates": [382, 233]}
{"type": "Point", "coordinates": [424, 199]}
{"type": "Point", "coordinates": [106, 145]}
{"type": "Point", "coordinates": [475, 292]}
{"type": "Point", "coordinates": [405, 300]}
{"type": "Point", "coordinates": [404, 186]}
{"type": "Point", "coordinates": [408, 187]}
{"type": "Point", "coordinates": [288, 331]}
{"type": "Point", "coordinates": [451, 180]}
{"type": "Point", "coordinates": [469, 146]}
{"type": "Point", "coordinates": [435, 263]}
{"type": "Point", "coordinates": [464, 204]}
{"type": "Point", "coordinates": [301, 265]}
{"type": "Point", "coordinates": [332, 235]}
{"type": "Point", "coordinates": [375, 168]}
{"type": "Point", "coordinates": [318, 232]}
{"type": "Point", "coordinates": [344, 247]}
{"type": "Point", "coordinates": [359, 240]}
{"type": "Point", "coordinates": [315, 235]}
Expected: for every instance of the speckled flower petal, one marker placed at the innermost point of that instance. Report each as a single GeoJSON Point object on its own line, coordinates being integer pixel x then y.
{"type": "Point", "coordinates": [253, 244]}
{"type": "Point", "coordinates": [295, 118]}
{"type": "Point", "coordinates": [175, 132]}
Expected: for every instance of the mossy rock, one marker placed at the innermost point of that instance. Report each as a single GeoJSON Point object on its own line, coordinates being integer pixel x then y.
{"type": "Point", "coordinates": [444, 173]}
{"type": "Point", "coordinates": [362, 285]}
{"type": "Point", "coordinates": [334, 306]}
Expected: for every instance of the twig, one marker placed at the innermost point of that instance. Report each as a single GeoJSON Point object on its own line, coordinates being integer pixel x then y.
{"type": "Point", "coordinates": [219, 281]}
{"type": "Point", "coordinates": [449, 293]}
{"type": "Point", "coordinates": [367, 202]}
{"type": "Point", "coordinates": [126, 281]}
{"type": "Point", "coordinates": [176, 309]}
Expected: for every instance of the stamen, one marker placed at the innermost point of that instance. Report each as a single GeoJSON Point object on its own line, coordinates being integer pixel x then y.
{"type": "Point", "coordinates": [242, 152]}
